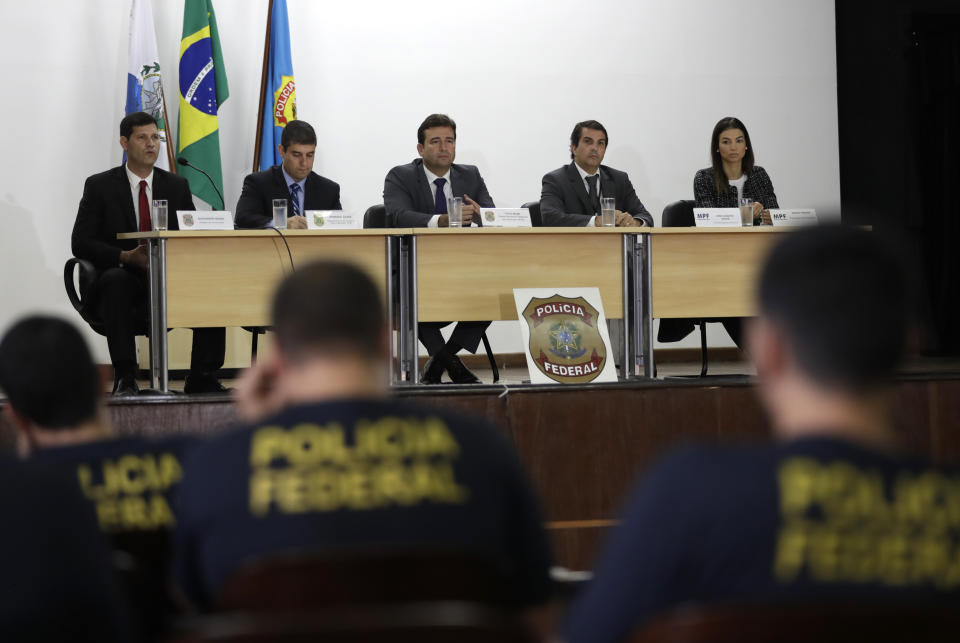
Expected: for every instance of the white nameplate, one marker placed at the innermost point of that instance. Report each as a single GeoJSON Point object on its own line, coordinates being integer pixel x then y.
{"type": "Point", "coordinates": [793, 217]}
{"type": "Point", "coordinates": [717, 217]}
{"type": "Point", "coordinates": [205, 219]}
{"type": "Point", "coordinates": [333, 220]}
{"type": "Point", "coordinates": [505, 217]}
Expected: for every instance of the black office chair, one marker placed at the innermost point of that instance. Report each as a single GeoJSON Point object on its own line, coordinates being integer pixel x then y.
{"type": "Point", "coordinates": [414, 622]}
{"type": "Point", "coordinates": [376, 217]}
{"type": "Point", "coordinates": [785, 622]}
{"type": "Point", "coordinates": [303, 579]}
{"type": "Point", "coordinates": [679, 214]}
{"type": "Point", "coordinates": [535, 220]}
{"type": "Point", "coordinates": [79, 295]}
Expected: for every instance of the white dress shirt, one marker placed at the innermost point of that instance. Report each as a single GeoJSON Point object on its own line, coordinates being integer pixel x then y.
{"type": "Point", "coordinates": [447, 192]}
{"type": "Point", "coordinates": [739, 183]}
{"type": "Point", "coordinates": [583, 177]}
{"type": "Point", "coordinates": [135, 193]}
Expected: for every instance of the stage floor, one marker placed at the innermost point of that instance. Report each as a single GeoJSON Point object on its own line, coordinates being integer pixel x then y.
{"type": "Point", "coordinates": [726, 369]}
{"type": "Point", "coordinates": [511, 376]}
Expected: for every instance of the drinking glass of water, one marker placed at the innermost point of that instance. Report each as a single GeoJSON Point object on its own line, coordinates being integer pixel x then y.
{"type": "Point", "coordinates": [608, 212]}
{"type": "Point", "coordinates": [280, 214]}
{"type": "Point", "coordinates": [159, 214]}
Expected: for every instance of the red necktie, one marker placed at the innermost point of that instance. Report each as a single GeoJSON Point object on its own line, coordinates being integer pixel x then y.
{"type": "Point", "coordinates": [144, 208]}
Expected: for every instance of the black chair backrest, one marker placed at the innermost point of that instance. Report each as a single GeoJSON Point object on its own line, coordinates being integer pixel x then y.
{"type": "Point", "coordinates": [419, 622]}
{"type": "Point", "coordinates": [678, 214]}
{"type": "Point", "coordinates": [77, 294]}
{"type": "Point", "coordinates": [534, 207]}
{"type": "Point", "coordinates": [86, 306]}
{"type": "Point", "coordinates": [882, 622]}
{"type": "Point", "coordinates": [140, 561]}
{"type": "Point", "coordinates": [375, 217]}
{"type": "Point", "coordinates": [315, 579]}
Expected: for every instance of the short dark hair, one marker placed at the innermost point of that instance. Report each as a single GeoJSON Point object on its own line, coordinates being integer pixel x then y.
{"type": "Point", "coordinates": [328, 307]}
{"type": "Point", "coordinates": [720, 181]}
{"type": "Point", "coordinates": [135, 119]}
{"type": "Point", "coordinates": [48, 374]}
{"type": "Point", "coordinates": [841, 297]}
{"type": "Point", "coordinates": [435, 120]}
{"type": "Point", "coordinates": [578, 132]}
{"type": "Point", "coordinates": [300, 132]}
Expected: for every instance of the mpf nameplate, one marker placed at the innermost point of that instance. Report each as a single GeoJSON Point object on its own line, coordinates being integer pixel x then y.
{"type": "Point", "coordinates": [793, 217]}
{"type": "Point", "coordinates": [717, 217]}
{"type": "Point", "coordinates": [205, 219]}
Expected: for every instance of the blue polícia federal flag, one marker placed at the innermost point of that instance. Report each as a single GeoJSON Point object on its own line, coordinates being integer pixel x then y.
{"type": "Point", "coordinates": [280, 97]}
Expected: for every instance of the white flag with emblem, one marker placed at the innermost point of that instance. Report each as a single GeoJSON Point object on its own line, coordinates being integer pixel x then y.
{"type": "Point", "coordinates": [144, 86]}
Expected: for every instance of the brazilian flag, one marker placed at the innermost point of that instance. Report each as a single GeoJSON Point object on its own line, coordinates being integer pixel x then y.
{"type": "Point", "coordinates": [203, 88]}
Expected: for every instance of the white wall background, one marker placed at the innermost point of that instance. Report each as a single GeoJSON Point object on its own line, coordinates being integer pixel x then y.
{"type": "Point", "coordinates": [515, 75]}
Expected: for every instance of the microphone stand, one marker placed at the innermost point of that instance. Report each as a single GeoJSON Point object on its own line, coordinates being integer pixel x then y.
{"type": "Point", "coordinates": [182, 161]}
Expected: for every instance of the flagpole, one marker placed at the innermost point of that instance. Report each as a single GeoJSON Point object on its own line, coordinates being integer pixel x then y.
{"type": "Point", "coordinates": [166, 115]}
{"type": "Point", "coordinates": [263, 88]}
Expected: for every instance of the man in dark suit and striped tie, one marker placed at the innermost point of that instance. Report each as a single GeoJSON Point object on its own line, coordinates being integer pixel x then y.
{"type": "Point", "coordinates": [293, 180]}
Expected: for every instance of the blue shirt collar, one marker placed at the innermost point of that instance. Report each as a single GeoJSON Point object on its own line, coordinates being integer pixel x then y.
{"type": "Point", "coordinates": [289, 180]}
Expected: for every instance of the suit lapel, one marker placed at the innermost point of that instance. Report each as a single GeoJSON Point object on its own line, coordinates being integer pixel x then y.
{"type": "Point", "coordinates": [579, 188]}
{"type": "Point", "coordinates": [607, 186]}
{"type": "Point", "coordinates": [125, 199]}
{"type": "Point", "coordinates": [159, 187]}
{"type": "Point", "coordinates": [457, 181]}
{"type": "Point", "coordinates": [423, 189]}
{"type": "Point", "coordinates": [280, 183]}
{"type": "Point", "coordinates": [310, 193]}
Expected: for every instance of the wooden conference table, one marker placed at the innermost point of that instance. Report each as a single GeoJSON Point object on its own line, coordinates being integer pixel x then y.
{"type": "Point", "coordinates": [226, 278]}
{"type": "Point", "coordinates": [469, 275]}
{"type": "Point", "coordinates": [697, 273]}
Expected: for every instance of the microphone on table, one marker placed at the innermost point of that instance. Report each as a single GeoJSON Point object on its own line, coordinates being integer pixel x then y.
{"type": "Point", "coordinates": [182, 161]}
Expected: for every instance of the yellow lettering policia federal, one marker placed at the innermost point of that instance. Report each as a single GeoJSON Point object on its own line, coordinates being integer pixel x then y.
{"type": "Point", "coordinates": [128, 492]}
{"type": "Point", "coordinates": [390, 462]}
{"type": "Point", "coordinates": [840, 524]}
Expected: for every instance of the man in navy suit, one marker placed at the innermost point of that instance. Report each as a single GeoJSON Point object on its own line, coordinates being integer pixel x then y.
{"type": "Point", "coordinates": [571, 194]}
{"type": "Point", "coordinates": [415, 196]}
{"type": "Point", "coordinates": [116, 201]}
{"type": "Point", "coordinates": [293, 180]}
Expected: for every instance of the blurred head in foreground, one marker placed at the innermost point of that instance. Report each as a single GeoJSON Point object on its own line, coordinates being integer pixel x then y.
{"type": "Point", "coordinates": [831, 330]}
{"type": "Point", "coordinates": [51, 382]}
{"type": "Point", "coordinates": [331, 341]}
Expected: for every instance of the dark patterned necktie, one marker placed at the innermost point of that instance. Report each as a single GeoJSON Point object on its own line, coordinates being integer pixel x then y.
{"type": "Point", "coordinates": [440, 200]}
{"type": "Point", "coordinates": [295, 199]}
{"type": "Point", "coordinates": [594, 197]}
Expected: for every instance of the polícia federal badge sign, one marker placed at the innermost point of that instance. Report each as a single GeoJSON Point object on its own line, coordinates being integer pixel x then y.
{"type": "Point", "coordinates": [285, 102]}
{"type": "Point", "coordinates": [565, 342]}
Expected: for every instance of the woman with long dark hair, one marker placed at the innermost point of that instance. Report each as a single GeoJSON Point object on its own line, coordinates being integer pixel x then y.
{"type": "Point", "coordinates": [733, 174]}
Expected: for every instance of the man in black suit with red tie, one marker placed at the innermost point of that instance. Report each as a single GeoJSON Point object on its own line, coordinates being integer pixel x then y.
{"type": "Point", "coordinates": [116, 201]}
{"type": "Point", "coordinates": [293, 180]}
{"type": "Point", "coordinates": [415, 196]}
